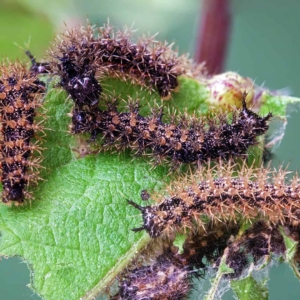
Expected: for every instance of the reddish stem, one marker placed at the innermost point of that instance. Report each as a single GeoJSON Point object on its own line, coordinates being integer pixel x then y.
{"type": "Point", "coordinates": [213, 34]}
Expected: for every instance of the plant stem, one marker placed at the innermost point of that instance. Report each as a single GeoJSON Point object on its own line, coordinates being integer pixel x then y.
{"type": "Point", "coordinates": [213, 34]}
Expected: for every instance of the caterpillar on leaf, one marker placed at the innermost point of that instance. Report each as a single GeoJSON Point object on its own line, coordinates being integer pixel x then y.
{"type": "Point", "coordinates": [166, 273]}
{"type": "Point", "coordinates": [20, 95]}
{"type": "Point", "coordinates": [222, 194]}
{"type": "Point", "coordinates": [184, 139]}
{"type": "Point", "coordinates": [84, 52]}
{"type": "Point", "coordinates": [169, 274]}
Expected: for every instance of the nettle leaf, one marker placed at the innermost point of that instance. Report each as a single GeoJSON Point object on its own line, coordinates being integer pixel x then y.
{"type": "Point", "coordinates": [277, 104]}
{"type": "Point", "coordinates": [248, 288]}
{"type": "Point", "coordinates": [78, 229]}
{"type": "Point", "coordinates": [76, 235]}
{"type": "Point", "coordinates": [291, 248]}
{"type": "Point", "coordinates": [290, 245]}
{"type": "Point", "coordinates": [216, 282]}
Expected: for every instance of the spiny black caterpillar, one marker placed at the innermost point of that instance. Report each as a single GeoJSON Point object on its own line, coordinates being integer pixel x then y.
{"type": "Point", "coordinates": [187, 140]}
{"type": "Point", "coordinates": [159, 277]}
{"type": "Point", "coordinates": [20, 95]}
{"type": "Point", "coordinates": [220, 194]}
{"type": "Point", "coordinates": [169, 275]}
{"type": "Point", "coordinates": [80, 82]}
{"type": "Point", "coordinates": [81, 53]}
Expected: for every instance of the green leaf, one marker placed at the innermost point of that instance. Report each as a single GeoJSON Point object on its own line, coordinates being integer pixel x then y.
{"type": "Point", "coordinates": [77, 231]}
{"type": "Point", "coordinates": [291, 248]}
{"type": "Point", "coordinates": [192, 96]}
{"type": "Point", "coordinates": [275, 103]}
{"type": "Point", "coordinates": [216, 282]}
{"type": "Point", "coordinates": [249, 289]}
{"type": "Point", "coordinates": [290, 245]}
{"type": "Point", "coordinates": [76, 235]}
{"type": "Point", "coordinates": [179, 241]}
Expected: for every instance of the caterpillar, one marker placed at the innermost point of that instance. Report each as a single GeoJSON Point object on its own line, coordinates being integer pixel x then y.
{"type": "Point", "coordinates": [187, 140]}
{"type": "Point", "coordinates": [259, 241]}
{"type": "Point", "coordinates": [220, 194]}
{"type": "Point", "coordinates": [79, 81]}
{"type": "Point", "coordinates": [20, 95]}
{"type": "Point", "coordinates": [80, 54]}
{"type": "Point", "coordinates": [168, 275]}
{"type": "Point", "coordinates": [159, 277]}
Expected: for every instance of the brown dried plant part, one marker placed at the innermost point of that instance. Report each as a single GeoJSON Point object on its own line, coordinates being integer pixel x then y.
{"type": "Point", "coordinates": [185, 139]}
{"type": "Point", "coordinates": [164, 277]}
{"type": "Point", "coordinates": [156, 276]}
{"type": "Point", "coordinates": [258, 242]}
{"type": "Point", "coordinates": [164, 273]}
{"type": "Point", "coordinates": [222, 194]}
{"type": "Point", "coordinates": [81, 53]}
{"type": "Point", "coordinates": [20, 97]}
{"type": "Point", "coordinates": [206, 245]}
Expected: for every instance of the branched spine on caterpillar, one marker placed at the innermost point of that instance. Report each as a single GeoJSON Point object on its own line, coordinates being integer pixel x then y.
{"type": "Point", "coordinates": [189, 140]}
{"type": "Point", "coordinates": [37, 67]}
{"type": "Point", "coordinates": [20, 94]}
{"type": "Point", "coordinates": [220, 194]}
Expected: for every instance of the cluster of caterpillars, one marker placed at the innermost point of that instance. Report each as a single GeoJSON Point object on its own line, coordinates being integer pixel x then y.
{"type": "Point", "coordinates": [169, 275]}
{"type": "Point", "coordinates": [227, 197]}
{"type": "Point", "coordinates": [80, 60]}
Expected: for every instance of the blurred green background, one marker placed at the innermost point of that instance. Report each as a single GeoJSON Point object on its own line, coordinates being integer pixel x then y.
{"type": "Point", "coordinates": [264, 45]}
